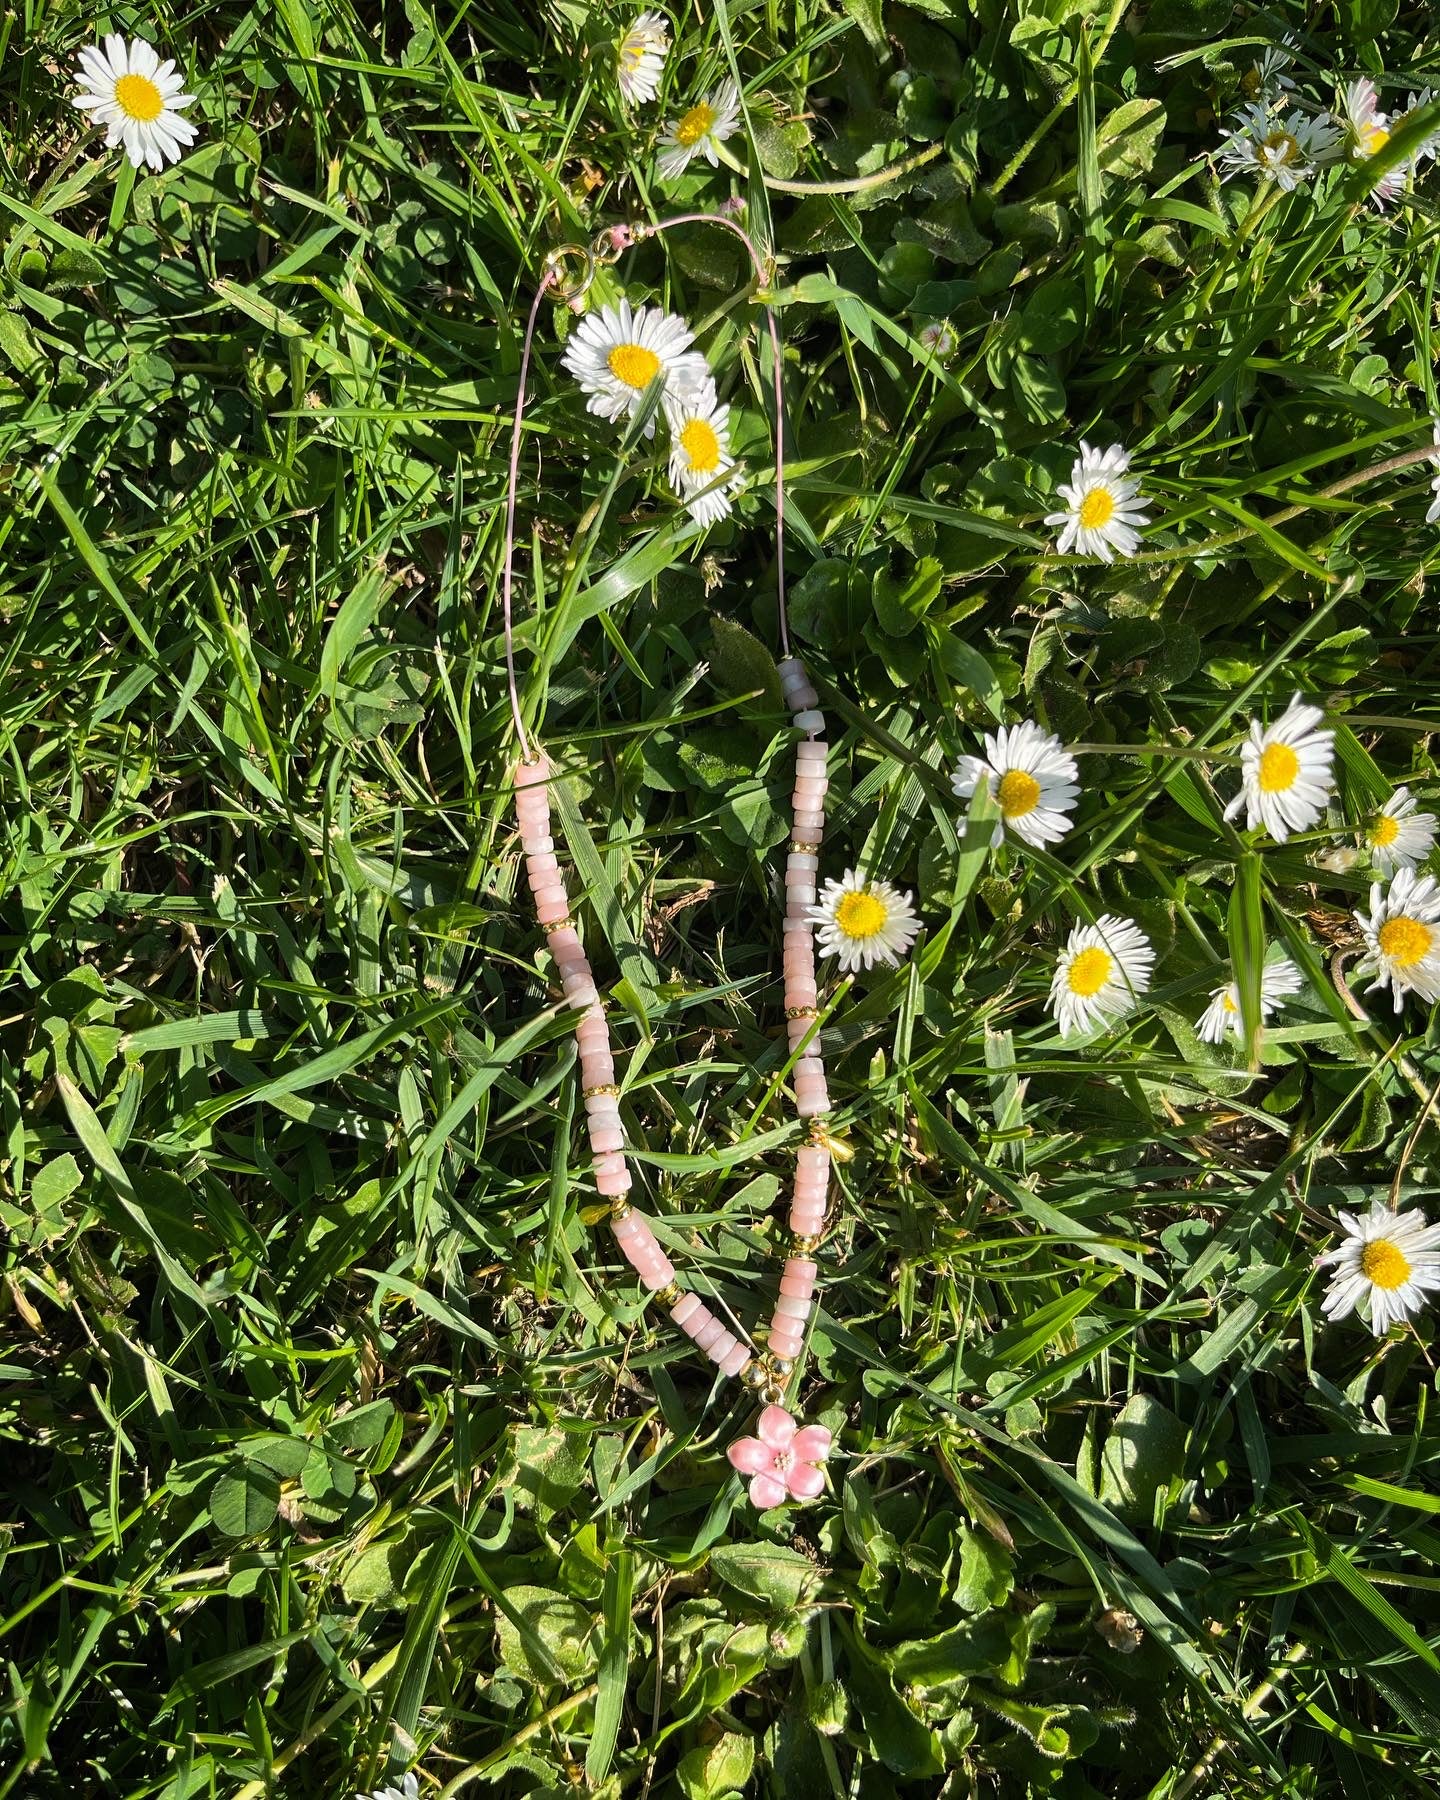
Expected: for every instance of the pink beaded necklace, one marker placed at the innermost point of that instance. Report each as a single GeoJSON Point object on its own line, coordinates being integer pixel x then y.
{"type": "Point", "coordinates": [783, 1459]}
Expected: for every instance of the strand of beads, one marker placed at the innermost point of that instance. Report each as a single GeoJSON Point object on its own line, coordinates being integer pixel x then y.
{"type": "Point", "coordinates": [802, 994]}
{"type": "Point", "coordinates": [633, 1231]}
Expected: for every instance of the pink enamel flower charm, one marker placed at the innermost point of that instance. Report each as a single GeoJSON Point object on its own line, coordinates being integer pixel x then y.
{"type": "Point", "coordinates": [782, 1460]}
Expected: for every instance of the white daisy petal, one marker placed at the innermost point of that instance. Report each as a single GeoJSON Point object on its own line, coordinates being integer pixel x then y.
{"type": "Point", "coordinates": [1103, 504]}
{"type": "Point", "coordinates": [1103, 970]}
{"type": "Point", "coordinates": [697, 132]}
{"type": "Point", "coordinates": [1399, 837]}
{"type": "Point", "coordinates": [1385, 1262]}
{"type": "Point", "coordinates": [1032, 778]}
{"type": "Point", "coordinates": [137, 99]}
{"type": "Point", "coordinates": [1402, 937]}
{"type": "Point", "coordinates": [1285, 772]}
{"type": "Point", "coordinates": [862, 920]}
{"type": "Point", "coordinates": [640, 57]}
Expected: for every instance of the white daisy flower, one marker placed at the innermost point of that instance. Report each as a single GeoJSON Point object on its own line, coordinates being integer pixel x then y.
{"type": "Point", "coordinates": [939, 338]}
{"type": "Point", "coordinates": [1367, 132]}
{"type": "Point", "coordinates": [1429, 146]}
{"type": "Point", "coordinates": [1388, 1263]}
{"type": "Point", "coordinates": [1278, 981]}
{"type": "Point", "coordinates": [409, 1789]}
{"type": "Point", "coordinates": [702, 470]}
{"type": "Point", "coordinates": [616, 353]}
{"type": "Point", "coordinates": [1102, 506]}
{"type": "Point", "coordinates": [863, 921]}
{"type": "Point", "coordinates": [697, 132]}
{"type": "Point", "coordinates": [1286, 148]}
{"type": "Point", "coordinates": [1402, 937]}
{"type": "Point", "coordinates": [137, 98]}
{"type": "Point", "coordinates": [1398, 837]}
{"type": "Point", "coordinates": [1285, 772]}
{"type": "Point", "coordinates": [640, 57]}
{"type": "Point", "coordinates": [1032, 778]}
{"type": "Point", "coordinates": [1103, 971]}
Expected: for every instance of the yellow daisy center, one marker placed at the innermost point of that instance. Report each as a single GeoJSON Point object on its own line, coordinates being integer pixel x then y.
{"type": "Point", "coordinates": [1097, 508]}
{"type": "Point", "coordinates": [1018, 793]}
{"type": "Point", "coordinates": [633, 364]}
{"type": "Point", "coordinates": [695, 124]}
{"type": "Point", "coordinates": [860, 915]}
{"type": "Point", "coordinates": [1384, 831]}
{"type": "Point", "coordinates": [1405, 940]}
{"type": "Point", "coordinates": [634, 54]}
{"type": "Point", "coordinates": [1384, 1264]}
{"type": "Point", "coordinates": [1282, 146]}
{"type": "Point", "coordinates": [139, 98]}
{"type": "Point", "coordinates": [1279, 765]}
{"type": "Point", "coordinates": [1228, 1005]}
{"type": "Point", "coordinates": [1089, 972]}
{"type": "Point", "coordinates": [701, 445]}
{"type": "Point", "coordinates": [1373, 138]}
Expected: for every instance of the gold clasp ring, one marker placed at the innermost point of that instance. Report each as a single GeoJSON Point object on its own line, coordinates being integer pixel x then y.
{"type": "Point", "coordinates": [569, 287]}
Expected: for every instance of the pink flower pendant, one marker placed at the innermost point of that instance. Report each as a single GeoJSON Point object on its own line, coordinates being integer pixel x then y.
{"type": "Point", "coordinates": [783, 1460]}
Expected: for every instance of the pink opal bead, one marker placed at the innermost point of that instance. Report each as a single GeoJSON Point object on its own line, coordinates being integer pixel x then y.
{"type": "Point", "coordinates": [658, 1273]}
{"type": "Point", "coordinates": [697, 1321]}
{"type": "Point", "coordinates": [548, 910]}
{"type": "Point", "coordinates": [538, 844]}
{"type": "Point", "coordinates": [813, 1156]}
{"type": "Point", "coordinates": [547, 893]}
{"type": "Point", "coordinates": [529, 774]}
{"type": "Point", "coordinates": [794, 924]}
{"type": "Point", "coordinates": [811, 719]}
{"type": "Point", "coordinates": [605, 1138]}
{"type": "Point", "coordinates": [546, 863]}
{"type": "Point", "coordinates": [721, 1348]}
{"type": "Point", "coordinates": [801, 1268]}
{"type": "Point", "coordinates": [735, 1360]}
{"type": "Point", "coordinates": [634, 1225]}
{"type": "Point", "coordinates": [785, 1343]}
{"type": "Point", "coordinates": [808, 1209]}
{"type": "Point", "coordinates": [565, 942]}
{"type": "Point", "coordinates": [793, 1288]}
{"type": "Point", "coordinates": [791, 1306]}
{"type": "Point", "coordinates": [809, 1065]}
{"type": "Point", "coordinates": [801, 862]}
{"type": "Point", "coordinates": [809, 821]}
{"type": "Point", "coordinates": [710, 1334]}
{"type": "Point", "coordinates": [799, 893]}
{"type": "Point", "coordinates": [613, 1181]}
{"type": "Point", "coordinates": [580, 990]}
{"type": "Point", "coordinates": [800, 696]}
{"type": "Point", "coordinates": [810, 1104]}
{"type": "Point", "coordinates": [685, 1307]}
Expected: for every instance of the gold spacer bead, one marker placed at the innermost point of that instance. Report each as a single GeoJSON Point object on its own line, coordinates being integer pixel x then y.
{"type": "Point", "coordinates": [802, 848]}
{"type": "Point", "coordinates": [605, 1087]}
{"type": "Point", "coordinates": [670, 1294]}
{"type": "Point", "coordinates": [620, 1208]}
{"type": "Point", "coordinates": [558, 925]}
{"type": "Point", "coordinates": [802, 1244]}
{"type": "Point", "coordinates": [772, 1393]}
{"type": "Point", "coordinates": [781, 1367]}
{"type": "Point", "coordinates": [819, 1137]}
{"type": "Point", "coordinates": [754, 1373]}
{"type": "Point", "coordinates": [802, 1012]}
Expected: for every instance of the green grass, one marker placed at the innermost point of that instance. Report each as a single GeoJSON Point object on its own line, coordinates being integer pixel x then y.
{"type": "Point", "coordinates": [337, 1440]}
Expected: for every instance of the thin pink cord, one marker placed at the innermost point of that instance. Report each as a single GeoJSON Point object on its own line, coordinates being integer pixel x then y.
{"type": "Point", "coordinates": [761, 273]}
{"type": "Point", "coordinates": [507, 579]}
{"type": "Point", "coordinates": [508, 567]}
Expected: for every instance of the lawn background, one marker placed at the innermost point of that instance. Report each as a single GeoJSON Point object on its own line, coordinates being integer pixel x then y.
{"type": "Point", "coordinates": [337, 1439]}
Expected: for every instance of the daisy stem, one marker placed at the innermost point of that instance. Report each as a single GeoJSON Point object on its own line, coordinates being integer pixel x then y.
{"type": "Point", "coordinates": [858, 184]}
